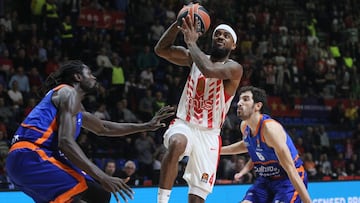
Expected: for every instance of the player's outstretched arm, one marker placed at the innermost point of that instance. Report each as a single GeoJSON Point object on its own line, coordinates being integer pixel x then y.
{"type": "Point", "coordinates": [235, 148]}
{"type": "Point", "coordinates": [114, 129]}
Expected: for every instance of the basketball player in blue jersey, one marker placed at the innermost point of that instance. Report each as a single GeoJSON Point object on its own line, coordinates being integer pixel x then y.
{"type": "Point", "coordinates": [46, 163]}
{"type": "Point", "coordinates": [204, 103]}
{"type": "Point", "coordinates": [280, 173]}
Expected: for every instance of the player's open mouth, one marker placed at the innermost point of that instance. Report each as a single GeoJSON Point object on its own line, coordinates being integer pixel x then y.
{"type": "Point", "coordinates": [220, 43]}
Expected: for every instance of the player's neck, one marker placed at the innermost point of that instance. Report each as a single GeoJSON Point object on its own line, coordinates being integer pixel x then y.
{"type": "Point", "coordinates": [220, 60]}
{"type": "Point", "coordinates": [80, 91]}
{"type": "Point", "coordinates": [253, 121]}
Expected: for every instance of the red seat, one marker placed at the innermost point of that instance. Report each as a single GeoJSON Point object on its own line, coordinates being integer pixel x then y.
{"type": "Point", "coordinates": [224, 181]}
{"type": "Point", "coordinates": [326, 178]}
{"type": "Point", "coordinates": [147, 183]}
{"type": "Point", "coordinates": [346, 178]}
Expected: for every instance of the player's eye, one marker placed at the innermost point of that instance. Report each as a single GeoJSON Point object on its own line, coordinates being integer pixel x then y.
{"type": "Point", "coordinates": [227, 35]}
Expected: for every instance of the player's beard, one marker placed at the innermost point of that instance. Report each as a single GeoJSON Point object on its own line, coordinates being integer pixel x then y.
{"type": "Point", "coordinates": [218, 53]}
{"type": "Point", "coordinates": [89, 89]}
{"type": "Point", "coordinates": [246, 113]}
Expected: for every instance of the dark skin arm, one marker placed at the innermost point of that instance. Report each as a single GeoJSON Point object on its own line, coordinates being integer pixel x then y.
{"type": "Point", "coordinates": [166, 49]}
{"type": "Point", "coordinates": [113, 129]}
{"type": "Point", "coordinates": [68, 103]}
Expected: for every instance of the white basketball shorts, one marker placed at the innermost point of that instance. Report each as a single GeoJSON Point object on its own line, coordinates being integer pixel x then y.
{"type": "Point", "coordinates": [203, 149]}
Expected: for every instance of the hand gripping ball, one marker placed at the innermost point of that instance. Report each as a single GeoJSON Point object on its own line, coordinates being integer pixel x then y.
{"type": "Point", "coordinates": [196, 11]}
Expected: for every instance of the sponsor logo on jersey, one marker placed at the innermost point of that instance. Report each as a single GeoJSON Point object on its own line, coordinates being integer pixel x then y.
{"type": "Point", "coordinates": [200, 103]}
{"type": "Point", "coordinates": [267, 171]}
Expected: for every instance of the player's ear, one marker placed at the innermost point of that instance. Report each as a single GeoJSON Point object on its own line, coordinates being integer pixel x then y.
{"type": "Point", "coordinates": [233, 46]}
{"type": "Point", "coordinates": [258, 106]}
{"type": "Point", "coordinates": [77, 77]}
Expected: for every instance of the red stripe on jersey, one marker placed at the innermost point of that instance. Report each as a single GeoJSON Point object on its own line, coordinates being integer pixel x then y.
{"type": "Point", "coordinates": [189, 95]}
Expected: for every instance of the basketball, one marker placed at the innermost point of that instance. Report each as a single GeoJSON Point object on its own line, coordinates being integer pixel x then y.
{"type": "Point", "coordinates": [196, 11]}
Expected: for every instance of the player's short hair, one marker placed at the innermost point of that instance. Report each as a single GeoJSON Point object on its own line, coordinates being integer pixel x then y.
{"type": "Point", "coordinates": [259, 95]}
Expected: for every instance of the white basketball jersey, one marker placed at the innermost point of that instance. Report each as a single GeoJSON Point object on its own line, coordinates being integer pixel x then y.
{"type": "Point", "coordinates": [203, 101]}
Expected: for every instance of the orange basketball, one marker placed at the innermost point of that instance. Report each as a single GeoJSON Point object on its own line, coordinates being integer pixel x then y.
{"type": "Point", "coordinates": [196, 11]}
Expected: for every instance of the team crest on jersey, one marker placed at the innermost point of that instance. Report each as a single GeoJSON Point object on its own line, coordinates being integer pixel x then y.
{"type": "Point", "coordinates": [200, 85]}
{"type": "Point", "coordinates": [204, 177]}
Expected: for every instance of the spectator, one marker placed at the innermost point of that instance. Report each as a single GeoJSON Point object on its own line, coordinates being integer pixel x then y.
{"type": "Point", "coordinates": [42, 54]}
{"type": "Point", "coordinates": [102, 112]}
{"type": "Point", "coordinates": [6, 64]}
{"type": "Point", "coordinates": [51, 15]}
{"type": "Point", "coordinates": [118, 78]}
{"type": "Point", "coordinates": [147, 76]}
{"type": "Point", "coordinates": [35, 79]}
{"type": "Point", "coordinates": [52, 65]}
{"type": "Point", "coordinates": [4, 145]}
{"type": "Point", "coordinates": [147, 59]}
{"type": "Point", "coordinates": [348, 148]}
{"type": "Point", "coordinates": [324, 139]}
{"type": "Point", "coordinates": [6, 112]}
{"type": "Point", "coordinates": [338, 162]}
{"type": "Point", "coordinates": [22, 60]}
{"type": "Point", "coordinates": [122, 113]}
{"type": "Point", "coordinates": [159, 101]}
{"type": "Point", "coordinates": [325, 165]}
{"type": "Point", "coordinates": [31, 102]}
{"type": "Point", "coordinates": [353, 165]}
{"type": "Point", "coordinates": [22, 80]}
{"type": "Point", "coordinates": [299, 144]}
{"type": "Point", "coordinates": [146, 105]}
{"type": "Point", "coordinates": [4, 94]}
{"type": "Point", "coordinates": [352, 114]}
{"type": "Point", "coordinates": [156, 30]}
{"type": "Point", "coordinates": [110, 167]}
{"type": "Point", "coordinates": [6, 22]}
{"type": "Point", "coordinates": [337, 114]}
{"type": "Point", "coordinates": [145, 147]}
{"type": "Point", "coordinates": [102, 59]}
{"type": "Point", "coordinates": [67, 36]}
{"type": "Point", "coordinates": [269, 72]}
{"type": "Point", "coordinates": [15, 95]}
{"type": "Point", "coordinates": [129, 171]}
{"type": "Point", "coordinates": [310, 165]}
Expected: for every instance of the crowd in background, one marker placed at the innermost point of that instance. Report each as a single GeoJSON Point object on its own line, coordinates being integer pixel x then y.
{"type": "Point", "coordinates": [280, 52]}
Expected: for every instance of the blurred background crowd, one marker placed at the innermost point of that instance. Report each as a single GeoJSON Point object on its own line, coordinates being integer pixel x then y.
{"type": "Point", "coordinates": [296, 51]}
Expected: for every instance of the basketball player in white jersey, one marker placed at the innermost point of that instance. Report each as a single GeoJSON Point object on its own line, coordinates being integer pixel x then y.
{"type": "Point", "coordinates": [205, 101]}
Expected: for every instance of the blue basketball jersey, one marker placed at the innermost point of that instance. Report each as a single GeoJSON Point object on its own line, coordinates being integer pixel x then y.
{"type": "Point", "coordinates": [45, 173]}
{"type": "Point", "coordinates": [42, 130]}
{"type": "Point", "coordinates": [272, 183]}
{"type": "Point", "coordinates": [266, 163]}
